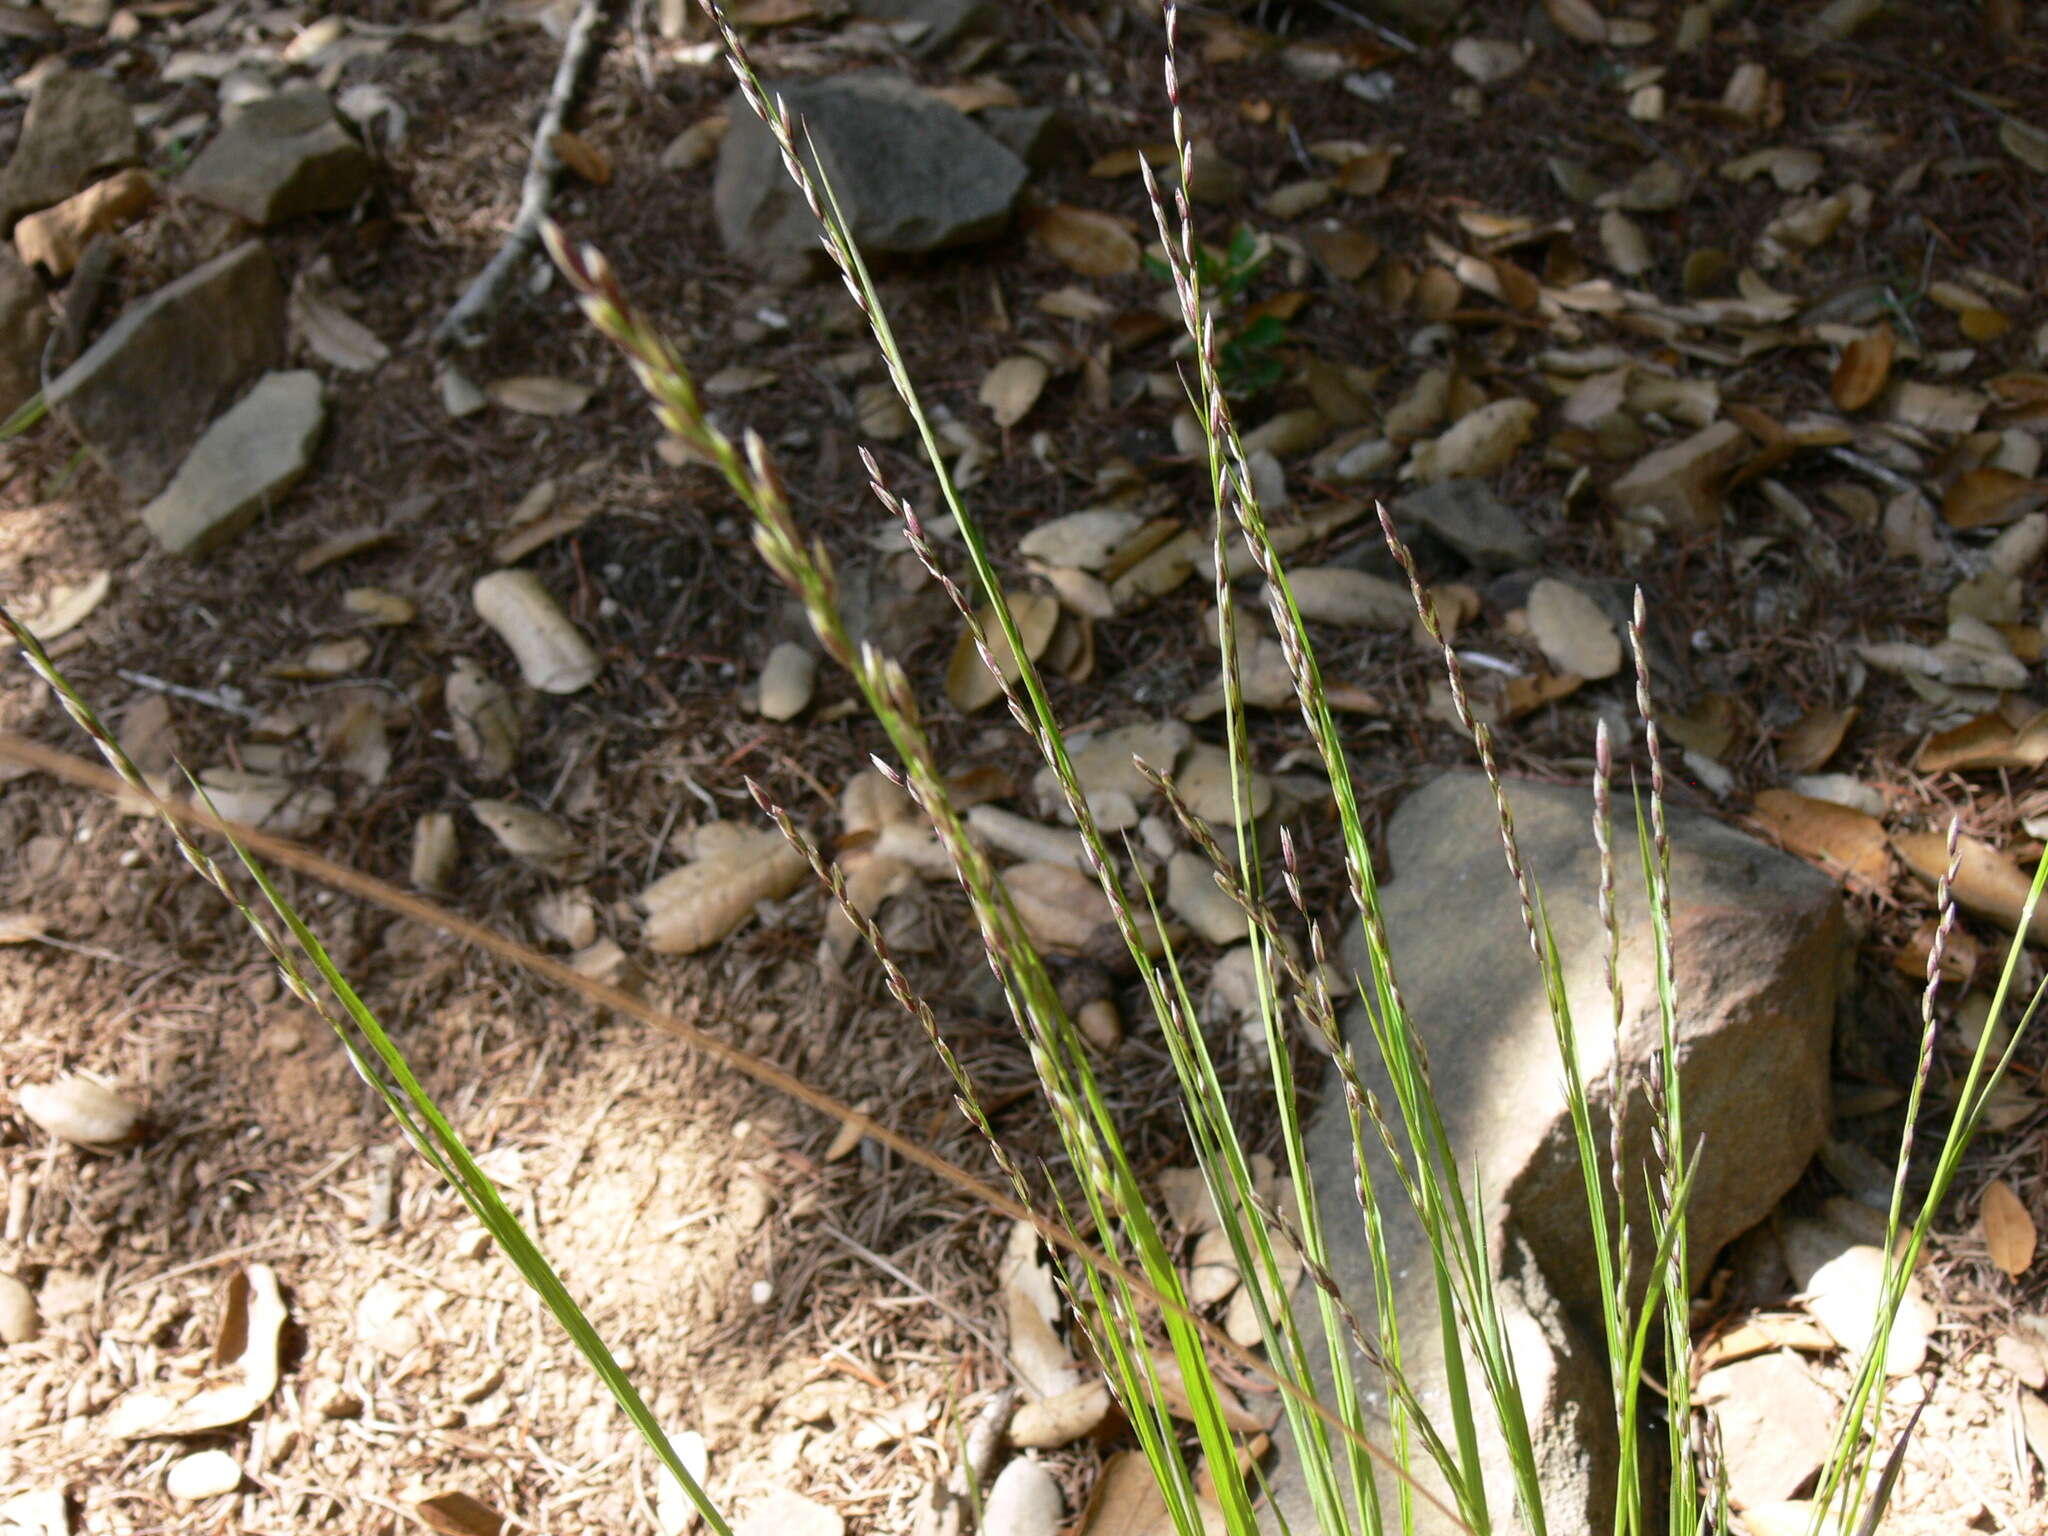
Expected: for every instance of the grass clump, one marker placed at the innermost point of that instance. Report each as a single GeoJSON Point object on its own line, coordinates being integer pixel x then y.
{"type": "Point", "coordinates": [1362, 1470]}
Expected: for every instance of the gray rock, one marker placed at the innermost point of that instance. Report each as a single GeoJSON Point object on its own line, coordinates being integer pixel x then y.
{"type": "Point", "coordinates": [1757, 937]}
{"type": "Point", "coordinates": [142, 393]}
{"type": "Point", "coordinates": [1466, 515]}
{"type": "Point", "coordinates": [280, 157]}
{"type": "Point", "coordinates": [243, 463]}
{"type": "Point", "coordinates": [945, 21]}
{"type": "Point", "coordinates": [910, 172]}
{"type": "Point", "coordinates": [78, 125]}
{"type": "Point", "coordinates": [24, 330]}
{"type": "Point", "coordinates": [1041, 137]}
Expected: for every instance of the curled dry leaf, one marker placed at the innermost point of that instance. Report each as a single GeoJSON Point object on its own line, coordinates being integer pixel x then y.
{"type": "Point", "coordinates": [552, 654]}
{"type": "Point", "coordinates": [1012, 387]}
{"type": "Point", "coordinates": [1835, 836]}
{"type": "Point", "coordinates": [1090, 243]}
{"type": "Point", "coordinates": [787, 678]}
{"type": "Point", "coordinates": [1577, 19]}
{"type": "Point", "coordinates": [433, 851]}
{"type": "Point", "coordinates": [969, 683]}
{"type": "Point", "coordinates": [245, 1351]}
{"type": "Point", "coordinates": [330, 332]}
{"type": "Point", "coordinates": [1086, 541]}
{"type": "Point", "coordinates": [66, 606]}
{"type": "Point", "coordinates": [80, 1111]}
{"type": "Point", "coordinates": [2009, 1231]}
{"type": "Point", "coordinates": [534, 395]}
{"type": "Point", "coordinates": [1048, 1422]}
{"type": "Point", "coordinates": [1987, 882]}
{"type": "Point", "coordinates": [1477, 444]}
{"type": "Point", "coordinates": [531, 836]}
{"type": "Point", "coordinates": [267, 800]}
{"type": "Point", "coordinates": [1065, 910]}
{"type": "Point", "coordinates": [22, 927]}
{"type": "Point", "coordinates": [692, 908]}
{"type": "Point", "coordinates": [1865, 368]}
{"type": "Point", "coordinates": [482, 719]}
{"type": "Point", "coordinates": [582, 157]}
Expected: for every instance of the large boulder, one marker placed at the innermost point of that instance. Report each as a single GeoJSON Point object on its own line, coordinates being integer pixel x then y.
{"type": "Point", "coordinates": [1757, 936]}
{"type": "Point", "coordinates": [280, 157]}
{"type": "Point", "coordinates": [142, 393]}
{"type": "Point", "coordinates": [910, 172]}
{"type": "Point", "coordinates": [78, 126]}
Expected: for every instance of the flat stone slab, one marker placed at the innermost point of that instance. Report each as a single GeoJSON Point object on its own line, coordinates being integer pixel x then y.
{"type": "Point", "coordinates": [1466, 515]}
{"type": "Point", "coordinates": [142, 393]}
{"type": "Point", "coordinates": [278, 158]}
{"type": "Point", "coordinates": [911, 173]}
{"type": "Point", "coordinates": [243, 463]}
{"type": "Point", "coordinates": [78, 125]}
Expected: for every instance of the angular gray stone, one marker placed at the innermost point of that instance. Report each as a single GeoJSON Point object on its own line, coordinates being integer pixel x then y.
{"type": "Point", "coordinates": [910, 172]}
{"type": "Point", "coordinates": [945, 21]}
{"type": "Point", "coordinates": [78, 125]}
{"type": "Point", "coordinates": [142, 393]}
{"type": "Point", "coordinates": [1466, 515]}
{"type": "Point", "coordinates": [1757, 937]}
{"type": "Point", "coordinates": [24, 329]}
{"type": "Point", "coordinates": [243, 463]}
{"type": "Point", "coordinates": [280, 157]}
{"type": "Point", "coordinates": [1041, 137]}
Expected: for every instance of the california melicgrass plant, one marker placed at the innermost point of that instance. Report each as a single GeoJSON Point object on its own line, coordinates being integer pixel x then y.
{"type": "Point", "coordinates": [1343, 1491]}
{"type": "Point", "coordinates": [1127, 1293]}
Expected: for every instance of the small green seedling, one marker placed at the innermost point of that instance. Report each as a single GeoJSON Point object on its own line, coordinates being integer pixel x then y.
{"type": "Point", "coordinates": [1248, 355]}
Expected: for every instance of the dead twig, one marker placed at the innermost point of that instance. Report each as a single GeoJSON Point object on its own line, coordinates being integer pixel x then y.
{"type": "Point", "coordinates": [465, 323]}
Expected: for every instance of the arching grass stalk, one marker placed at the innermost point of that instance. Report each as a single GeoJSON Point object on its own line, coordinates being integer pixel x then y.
{"type": "Point", "coordinates": [300, 958]}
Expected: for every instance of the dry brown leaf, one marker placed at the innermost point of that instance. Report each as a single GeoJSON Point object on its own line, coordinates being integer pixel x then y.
{"type": "Point", "coordinates": [1989, 741]}
{"type": "Point", "coordinates": [1989, 495]}
{"type": "Point", "coordinates": [531, 836]}
{"type": "Point", "coordinates": [1012, 387]}
{"type": "Point", "coordinates": [1835, 836]}
{"type": "Point", "coordinates": [2025, 143]}
{"type": "Point", "coordinates": [1085, 241]}
{"type": "Point", "coordinates": [692, 908]}
{"type": "Point", "coordinates": [2008, 1228]}
{"type": "Point", "coordinates": [1865, 367]}
{"type": "Point", "coordinates": [1577, 19]}
{"type": "Point", "coordinates": [1758, 1335]}
{"type": "Point", "coordinates": [1523, 695]}
{"type": "Point", "coordinates": [1061, 1420]}
{"type": "Point", "coordinates": [1987, 882]}
{"type": "Point", "coordinates": [969, 683]}
{"type": "Point", "coordinates": [1814, 738]}
{"type": "Point", "coordinates": [552, 654]}
{"type": "Point", "coordinates": [582, 157]}
{"type": "Point", "coordinates": [456, 1513]}
{"type": "Point", "coordinates": [1125, 161]}
{"type": "Point", "coordinates": [330, 332]}
{"type": "Point", "coordinates": [66, 606]}
{"type": "Point", "coordinates": [1125, 1501]}
{"type": "Point", "coordinates": [251, 1329]}
{"type": "Point", "coordinates": [22, 927]}
{"type": "Point", "coordinates": [534, 395]}
{"type": "Point", "coordinates": [1065, 910]}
